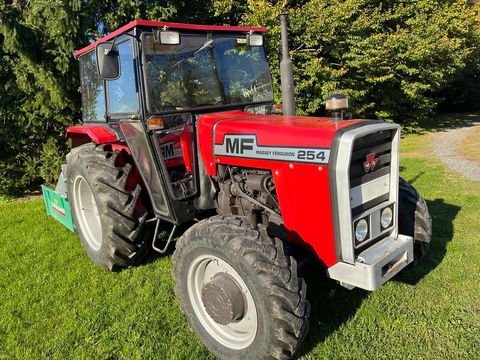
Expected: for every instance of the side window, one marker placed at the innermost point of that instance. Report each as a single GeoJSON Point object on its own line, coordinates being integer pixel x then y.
{"type": "Point", "coordinates": [93, 92]}
{"type": "Point", "coordinates": [122, 93]}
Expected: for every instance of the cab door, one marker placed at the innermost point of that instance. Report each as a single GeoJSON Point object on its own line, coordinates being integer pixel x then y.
{"type": "Point", "coordinates": [124, 113]}
{"type": "Point", "coordinates": [174, 142]}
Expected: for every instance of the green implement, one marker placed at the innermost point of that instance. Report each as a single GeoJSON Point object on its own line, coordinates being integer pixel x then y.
{"type": "Point", "coordinates": [58, 207]}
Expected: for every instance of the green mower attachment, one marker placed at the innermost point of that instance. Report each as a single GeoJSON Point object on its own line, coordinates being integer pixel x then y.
{"type": "Point", "coordinates": [58, 205]}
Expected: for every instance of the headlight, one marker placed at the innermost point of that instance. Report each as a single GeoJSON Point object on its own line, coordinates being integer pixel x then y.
{"type": "Point", "coordinates": [361, 230]}
{"type": "Point", "coordinates": [386, 217]}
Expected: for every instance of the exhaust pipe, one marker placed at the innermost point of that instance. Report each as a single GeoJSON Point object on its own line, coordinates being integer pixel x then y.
{"type": "Point", "coordinates": [286, 71]}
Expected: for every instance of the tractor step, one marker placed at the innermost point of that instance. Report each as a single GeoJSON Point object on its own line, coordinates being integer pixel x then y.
{"type": "Point", "coordinates": [58, 207]}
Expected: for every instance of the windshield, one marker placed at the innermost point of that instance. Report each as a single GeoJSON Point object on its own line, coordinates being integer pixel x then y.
{"type": "Point", "coordinates": [204, 71]}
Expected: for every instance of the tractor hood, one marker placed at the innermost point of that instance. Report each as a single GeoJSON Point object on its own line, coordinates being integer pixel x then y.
{"type": "Point", "coordinates": [239, 134]}
{"type": "Point", "coordinates": [278, 130]}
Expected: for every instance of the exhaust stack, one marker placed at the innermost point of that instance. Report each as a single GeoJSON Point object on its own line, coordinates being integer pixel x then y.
{"type": "Point", "coordinates": [286, 71]}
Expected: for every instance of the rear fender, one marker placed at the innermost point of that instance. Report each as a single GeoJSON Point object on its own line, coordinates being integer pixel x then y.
{"type": "Point", "coordinates": [99, 134]}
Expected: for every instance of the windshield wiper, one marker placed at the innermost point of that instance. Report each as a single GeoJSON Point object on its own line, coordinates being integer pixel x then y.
{"type": "Point", "coordinates": [206, 45]}
{"type": "Point", "coordinates": [203, 47]}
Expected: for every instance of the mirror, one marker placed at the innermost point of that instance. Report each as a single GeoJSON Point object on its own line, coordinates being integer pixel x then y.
{"type": "Point", "coordinates": [108, 62]}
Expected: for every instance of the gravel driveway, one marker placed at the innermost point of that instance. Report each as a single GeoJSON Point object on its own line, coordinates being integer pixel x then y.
{"type": "Point", "coordinates": [445, 145]}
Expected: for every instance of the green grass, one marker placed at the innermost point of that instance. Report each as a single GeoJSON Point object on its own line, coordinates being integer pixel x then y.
{"type": "Point", "coordinates": [54, 303]}
{"type": "Point", "coordinates": [469, 146]}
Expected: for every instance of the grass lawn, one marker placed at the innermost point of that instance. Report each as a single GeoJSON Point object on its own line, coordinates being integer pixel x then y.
{"type": "Point", "coordinates": [470, 146]}
{"type": "Point", "coordinates": [54, 303]}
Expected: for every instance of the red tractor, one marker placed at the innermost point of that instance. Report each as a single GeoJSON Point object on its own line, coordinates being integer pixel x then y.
{"type": "Point", "coordinates": [179, 124]}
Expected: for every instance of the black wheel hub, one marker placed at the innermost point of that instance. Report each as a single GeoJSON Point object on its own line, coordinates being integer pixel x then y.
{"type": "Point", "coordinates": [223, 299]}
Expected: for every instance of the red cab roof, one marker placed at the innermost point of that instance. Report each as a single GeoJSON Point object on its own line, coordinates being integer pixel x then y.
{"type": "Point", "coordinates": [172, 25]}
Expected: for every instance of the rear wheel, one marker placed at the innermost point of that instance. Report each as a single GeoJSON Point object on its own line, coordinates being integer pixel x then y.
{"type": "Point", "coordinates": [239, 291]}
{"type": "Point", "coordinates": [105, 196]}
{"type": "Point", "coordinates": [414, 219]}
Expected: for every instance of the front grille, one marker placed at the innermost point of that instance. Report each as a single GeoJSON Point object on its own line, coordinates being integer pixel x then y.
{"type": "Point", "coordinates": [379, 143]}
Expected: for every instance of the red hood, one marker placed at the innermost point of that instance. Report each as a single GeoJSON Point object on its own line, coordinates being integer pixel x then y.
{"type": "Point", "coordinates": [269, 130]}
{"type": "Point", "coordinates": [272, 130]}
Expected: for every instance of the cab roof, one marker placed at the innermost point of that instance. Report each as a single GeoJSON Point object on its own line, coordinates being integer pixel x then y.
{"type": "Point", "coordinates": [172, 25]}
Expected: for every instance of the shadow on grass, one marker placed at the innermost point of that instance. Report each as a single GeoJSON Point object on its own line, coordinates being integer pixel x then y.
{"type": "Point", "coordinates": [163, 232]}
{"type": "Point", "coordinates": [333, 305]}
{"type": "Point", "coordinates": [414, 179]}
{"type": "Point", "coordinates": [443, 215]}
{"type": "Point", "coordinates": [444, 122]}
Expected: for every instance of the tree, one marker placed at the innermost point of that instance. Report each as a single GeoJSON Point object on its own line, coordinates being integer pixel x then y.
{"type": "Point", "coordinates": [392, 57]}
{"type": "Point", "coordinates": [40, 80]}
{"type": "Point", "coordinates": [397, 60]}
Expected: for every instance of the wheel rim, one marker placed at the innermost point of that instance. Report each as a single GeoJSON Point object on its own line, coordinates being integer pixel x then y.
{"type": "Point", "coordinates": [237, 334]}
{"type": "Point", "coordinates": [87, 213]}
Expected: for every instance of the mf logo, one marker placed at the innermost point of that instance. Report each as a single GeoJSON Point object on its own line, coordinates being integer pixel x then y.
{"type": "Point", "coordinates": [238, 145]}
{"type": "Point", "coordinates": [168, 151]}
{"type": "Point", "coordinates": [371, 162]}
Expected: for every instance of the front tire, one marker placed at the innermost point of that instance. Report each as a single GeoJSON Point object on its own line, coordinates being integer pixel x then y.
{"type": "Point", "coordinates": [414, 219]}
{"type": "Point", "coordinates": [106, 201]}
{"type": "Point", "coordinates": [239, 291]}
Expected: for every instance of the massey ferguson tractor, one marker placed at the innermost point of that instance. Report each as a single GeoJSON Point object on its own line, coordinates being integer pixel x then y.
{"type": "Point", "coordinates": [180, 127]}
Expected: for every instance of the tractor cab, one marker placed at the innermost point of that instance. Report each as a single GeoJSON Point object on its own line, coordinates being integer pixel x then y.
{"type": "Point", "coordinates": [152, 80]}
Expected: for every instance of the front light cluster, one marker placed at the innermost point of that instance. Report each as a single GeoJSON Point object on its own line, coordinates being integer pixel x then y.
{"type": "Point", "coordinates": [361, 230]}
{"type": "Point", "coordinates": [386, 217]}
{"type": "Point", "coordinates": [362, 226]}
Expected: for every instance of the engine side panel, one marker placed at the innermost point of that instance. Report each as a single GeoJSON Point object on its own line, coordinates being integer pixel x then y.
{"type": "Point", "coordinates": [305, 204]}
{"type": "Point", "coordinates": [306, 207]}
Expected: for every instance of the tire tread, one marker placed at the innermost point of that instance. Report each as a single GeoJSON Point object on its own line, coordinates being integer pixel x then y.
{"type": "Point", "coordinates": [122, 211]}
{"type": "Point", "coordinates": [286, 292]}
{"type": "Point", "coordinates": [414, 219]}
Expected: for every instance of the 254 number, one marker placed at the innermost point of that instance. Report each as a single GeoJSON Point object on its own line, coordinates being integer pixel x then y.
{"type": "Point", "coordinates": [311, 155]}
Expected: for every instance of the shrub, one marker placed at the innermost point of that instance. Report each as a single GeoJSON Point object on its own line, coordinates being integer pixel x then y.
{"type": "Point", "coordinates": [394, 58]}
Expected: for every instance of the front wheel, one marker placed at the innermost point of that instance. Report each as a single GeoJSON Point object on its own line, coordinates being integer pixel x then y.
{"type": "Point", "coordinates": [414, 219]}
{"type": "Point", "coordinates": [239, 291]}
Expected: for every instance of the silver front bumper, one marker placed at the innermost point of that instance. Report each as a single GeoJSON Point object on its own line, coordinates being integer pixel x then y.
{"type": "Point", "coordinates": [376, 265]}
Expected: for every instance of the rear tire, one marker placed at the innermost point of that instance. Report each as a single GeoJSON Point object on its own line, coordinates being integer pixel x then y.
{"type": "Point", "coordinates": [414, 219]}
{"type": "Point", "coordinates": [274, 319]}
{"type": "Point", "coordinates": [106, 201]}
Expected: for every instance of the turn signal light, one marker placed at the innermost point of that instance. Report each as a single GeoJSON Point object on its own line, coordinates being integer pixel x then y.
{"type": "Point", "coordinates": [155, 124]}
{"type": "Point", "coordinates": [277, 109]}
